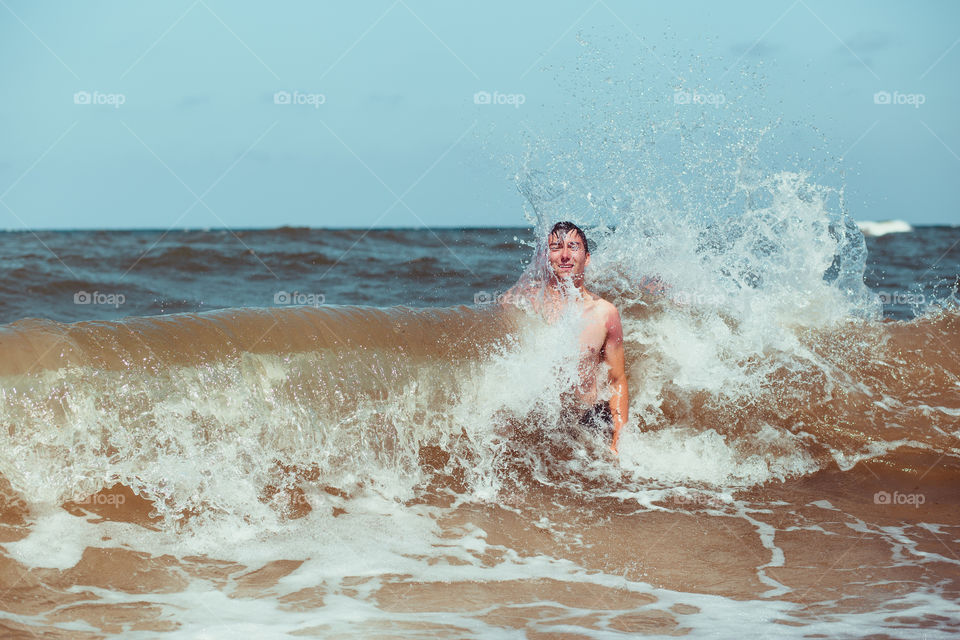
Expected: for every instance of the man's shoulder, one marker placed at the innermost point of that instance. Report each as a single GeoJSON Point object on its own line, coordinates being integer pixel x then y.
{"type": "Point", "coordinates": [602, 305]}
{"type": "Point", "coordinates": [604, 312]}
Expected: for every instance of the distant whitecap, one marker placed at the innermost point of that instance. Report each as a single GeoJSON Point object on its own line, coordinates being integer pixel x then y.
{"type": "Point", "coordinates": [882, 228]}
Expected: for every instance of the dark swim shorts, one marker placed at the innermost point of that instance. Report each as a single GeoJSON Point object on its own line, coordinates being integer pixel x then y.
{"type": "Point", "coordinates": [599, 419]}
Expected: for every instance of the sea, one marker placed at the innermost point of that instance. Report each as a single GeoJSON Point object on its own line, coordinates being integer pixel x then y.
{"type": "Point", "coordinates": [336, 433]}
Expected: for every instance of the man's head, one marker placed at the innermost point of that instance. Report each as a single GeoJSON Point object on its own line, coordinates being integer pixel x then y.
{"type": "Point", "coordinates": [568, 251]}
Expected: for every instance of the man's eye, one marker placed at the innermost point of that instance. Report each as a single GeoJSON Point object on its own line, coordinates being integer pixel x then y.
{"type": "Point", "coordinates": [555, 246]}
{"type": "Point", "coordinates": [574, 246]}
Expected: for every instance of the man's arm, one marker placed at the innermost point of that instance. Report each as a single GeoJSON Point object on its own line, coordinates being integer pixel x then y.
{"type": "Point", "coordinates": [613, 356]}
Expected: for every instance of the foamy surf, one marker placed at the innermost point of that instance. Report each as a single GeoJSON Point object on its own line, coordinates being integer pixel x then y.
{"type": "Point", "coordinates": [399, 491]}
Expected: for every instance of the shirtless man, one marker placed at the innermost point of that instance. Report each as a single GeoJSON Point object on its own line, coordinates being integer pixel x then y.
{"type": "Point", "coordinates": [601, 341]}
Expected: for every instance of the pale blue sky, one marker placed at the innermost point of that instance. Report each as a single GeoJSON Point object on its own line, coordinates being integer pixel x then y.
{"type": "Point", "coordinates": [399, 140]}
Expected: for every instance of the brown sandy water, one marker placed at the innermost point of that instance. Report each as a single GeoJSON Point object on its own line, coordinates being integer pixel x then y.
{"type": "Point", "coordinates": [345, 471]}
{"type": "Point", "coordinates": [801, 554]}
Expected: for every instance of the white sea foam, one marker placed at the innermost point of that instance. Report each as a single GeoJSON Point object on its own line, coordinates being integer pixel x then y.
{"type": "Point", "coordinates": [883, 227]}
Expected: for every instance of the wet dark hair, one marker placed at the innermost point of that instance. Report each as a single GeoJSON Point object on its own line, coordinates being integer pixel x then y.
{"type": "Point", "coordinates": [563, 228]}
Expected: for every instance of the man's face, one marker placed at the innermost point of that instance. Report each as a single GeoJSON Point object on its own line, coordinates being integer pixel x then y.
{"type": "Point", "coordinates": [568, 258]}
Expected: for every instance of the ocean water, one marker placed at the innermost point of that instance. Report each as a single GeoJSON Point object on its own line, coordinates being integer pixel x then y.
{"type": "Point", "coordinates": [72, 276]}
{"type": "Point", "coordinates": [335, 433]}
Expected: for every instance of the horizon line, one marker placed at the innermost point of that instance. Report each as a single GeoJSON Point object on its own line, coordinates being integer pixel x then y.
{"type": "Point", "coordinates": [334, 228]}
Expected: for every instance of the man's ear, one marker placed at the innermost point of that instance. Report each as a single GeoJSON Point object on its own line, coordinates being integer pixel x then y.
{"type": "Point", "coordinates": [586, 263]}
